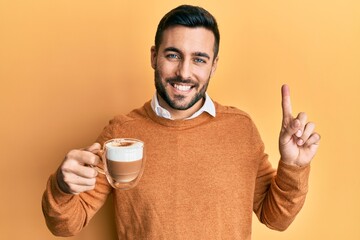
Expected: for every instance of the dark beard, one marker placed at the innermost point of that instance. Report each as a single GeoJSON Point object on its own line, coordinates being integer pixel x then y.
{"type": "Point", "coordinates": [176, 103]}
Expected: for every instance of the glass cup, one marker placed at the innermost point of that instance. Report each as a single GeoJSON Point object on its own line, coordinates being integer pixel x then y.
{"type": "Point", "coordinates": [123, 160]}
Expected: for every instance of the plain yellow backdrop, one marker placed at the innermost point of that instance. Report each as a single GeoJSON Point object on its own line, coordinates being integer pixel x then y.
{"type": "Point", "coordinates": [67, 67]}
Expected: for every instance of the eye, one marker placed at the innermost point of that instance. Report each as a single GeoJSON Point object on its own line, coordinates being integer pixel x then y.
{"type": "Point", "coordinates": [172, 56]}
{"type": "Point", "coordinates": [199, 60]}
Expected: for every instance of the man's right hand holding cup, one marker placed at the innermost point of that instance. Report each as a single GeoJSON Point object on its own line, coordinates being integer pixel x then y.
{"type": "Point", "coordinates": [75, 175]}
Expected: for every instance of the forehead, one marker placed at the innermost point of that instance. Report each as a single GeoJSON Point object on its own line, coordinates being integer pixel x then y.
{"type": "Point", "coordinates": [189, 40]}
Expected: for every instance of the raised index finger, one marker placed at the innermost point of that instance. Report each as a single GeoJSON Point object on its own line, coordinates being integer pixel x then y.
{"type": "Point", "coordinates": [286, 103]}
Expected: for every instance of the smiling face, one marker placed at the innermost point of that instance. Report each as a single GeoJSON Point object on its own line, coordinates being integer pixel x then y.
{"type": "Point", "coordinates": [183, 64]}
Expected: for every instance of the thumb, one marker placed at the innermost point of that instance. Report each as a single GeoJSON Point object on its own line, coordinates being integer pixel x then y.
{"type": "Point", "coordinates": [94, 148]}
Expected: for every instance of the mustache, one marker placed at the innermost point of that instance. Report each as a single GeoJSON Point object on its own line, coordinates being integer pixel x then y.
{"type": "Point", "coordinates": [178, 79]}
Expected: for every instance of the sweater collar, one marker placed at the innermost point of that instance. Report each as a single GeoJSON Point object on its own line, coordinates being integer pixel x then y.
{"type": "Point", "coordinates": [179, 124]}
{"type": "Point", "coordinates": [208, 107]}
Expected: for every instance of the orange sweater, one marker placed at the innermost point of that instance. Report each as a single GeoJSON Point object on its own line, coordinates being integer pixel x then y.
{"type": "Point", "coordinates": [202, 180]}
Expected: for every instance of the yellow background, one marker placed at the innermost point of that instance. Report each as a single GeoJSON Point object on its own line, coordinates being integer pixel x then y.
{"type": "Point", "coordinates": [67, 67]}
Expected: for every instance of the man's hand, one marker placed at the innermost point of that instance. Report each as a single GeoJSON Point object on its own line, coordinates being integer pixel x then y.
{"type": "Point", "coordinates": [75, 175]}
{"type": "Point", "coordinates": [298, 142]}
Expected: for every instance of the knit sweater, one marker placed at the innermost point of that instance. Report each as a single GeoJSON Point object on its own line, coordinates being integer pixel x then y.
{"type": "Point", "coordinates": [202, 180]}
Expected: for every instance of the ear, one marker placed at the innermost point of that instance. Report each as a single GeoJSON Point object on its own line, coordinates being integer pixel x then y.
{"type": "Point", "coordinates": [214, 66]}
{"type": "Point", "coordinates": [153, 55]}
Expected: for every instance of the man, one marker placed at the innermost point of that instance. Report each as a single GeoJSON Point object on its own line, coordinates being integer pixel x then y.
{"type": "Point", "coordinates": [206, 170]}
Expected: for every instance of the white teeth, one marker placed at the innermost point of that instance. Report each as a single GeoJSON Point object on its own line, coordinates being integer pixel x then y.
{"type": "Point", "coordinates": [182, 87]}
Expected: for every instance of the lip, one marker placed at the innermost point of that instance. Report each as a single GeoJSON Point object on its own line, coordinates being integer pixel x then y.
{"type": "Point", "coordinates": [181, 87]}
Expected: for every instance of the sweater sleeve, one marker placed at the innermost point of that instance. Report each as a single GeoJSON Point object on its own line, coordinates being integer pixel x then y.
{"type": "Point", "coordinates": [67, 214]}
{"type": "Point", "coordinates": [280, 195]}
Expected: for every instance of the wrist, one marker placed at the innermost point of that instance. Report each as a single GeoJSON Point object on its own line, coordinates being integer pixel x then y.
{"type": "Point", "coordinates": [63, 187]}
{"type": "Point", "coordinates": [294, 163]}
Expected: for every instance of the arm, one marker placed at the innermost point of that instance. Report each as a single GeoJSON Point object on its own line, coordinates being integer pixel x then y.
{"type": "Point", "coordinates": [74, 193]}
{"type": "Point", "coordinates": [280, 196]}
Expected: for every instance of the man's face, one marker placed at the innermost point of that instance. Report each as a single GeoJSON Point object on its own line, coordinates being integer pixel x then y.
{"type": "Point", "coordinates": [183, 64]}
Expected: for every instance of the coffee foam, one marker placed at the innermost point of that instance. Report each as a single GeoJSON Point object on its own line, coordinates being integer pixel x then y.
{"type": "Point", "coordinates": [124, 151]}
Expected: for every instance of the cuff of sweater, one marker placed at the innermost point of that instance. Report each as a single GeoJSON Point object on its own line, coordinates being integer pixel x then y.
{"type": "Point", "coordinates": [59, 196]}
{"type": "Point", "coordinates": [292, 178]}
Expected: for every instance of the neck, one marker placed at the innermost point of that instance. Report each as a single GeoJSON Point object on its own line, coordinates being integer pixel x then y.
{"type": "Point", "coordinates": [180, 114]}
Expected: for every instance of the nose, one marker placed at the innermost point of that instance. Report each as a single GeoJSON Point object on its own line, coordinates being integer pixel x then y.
{"type": "Point", "coordinates": [184, 69]}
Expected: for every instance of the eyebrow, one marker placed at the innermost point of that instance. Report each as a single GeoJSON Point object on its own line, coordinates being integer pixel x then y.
{"type": "Point", "coordinates": [202, 54]}
{"type": "Point", "coordinates": [198, 54]}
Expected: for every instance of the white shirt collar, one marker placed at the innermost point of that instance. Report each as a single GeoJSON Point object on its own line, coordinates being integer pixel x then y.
{"type": "Point", "coordinates": [208, 107]}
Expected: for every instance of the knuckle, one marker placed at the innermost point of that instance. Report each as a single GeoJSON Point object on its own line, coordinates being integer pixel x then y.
{"type": "Point", "coordinates": [88, 173]}
{"type": "Point", "coordinates": [64, 168]}
{"type": "Point", "coordinates": [71, 188]}
{"type": "Point", "coordinates": [92, 159]}
{"type": "Point", "coordinates": [310, 126]}
{"type": "Point", "coordinates": [93, 182]}
{"type": "Point", "coordinates": [317, 137]}
{"type": "Point", "coordinates": [94, 173]}
{"type": "Point", "coordinates": [72, 154]}
{"type": "Point", "coordinates": [67, 179]}
{"type": "Point", "coordinates": [95, 146]}
{"type": "Point", "coordinates": [92, 186]}
{"type": "Point", "coordinates": [69, 165]}
{"type": "Point", "coordinates": [302, 116]}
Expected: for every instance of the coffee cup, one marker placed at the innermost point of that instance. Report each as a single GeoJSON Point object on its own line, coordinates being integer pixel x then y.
{"type": "Point", "coordinates": [123, 160]}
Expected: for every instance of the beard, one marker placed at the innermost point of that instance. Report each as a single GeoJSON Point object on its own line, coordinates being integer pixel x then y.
{"type": "Point", "coordinates": [178, 103]}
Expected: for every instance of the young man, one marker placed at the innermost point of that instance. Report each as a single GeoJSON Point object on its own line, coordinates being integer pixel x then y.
{"type": "Point", "coordinates": [206, 170]}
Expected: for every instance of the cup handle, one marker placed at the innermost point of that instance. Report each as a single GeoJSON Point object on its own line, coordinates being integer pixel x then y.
{"type": "Point", "coordinates": [100, 153]}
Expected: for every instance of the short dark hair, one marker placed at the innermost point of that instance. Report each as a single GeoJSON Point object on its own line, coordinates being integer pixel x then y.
{"type": "Point", "coordinates": [188, 16]}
